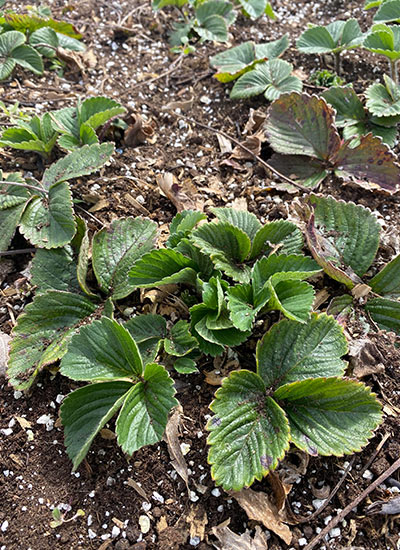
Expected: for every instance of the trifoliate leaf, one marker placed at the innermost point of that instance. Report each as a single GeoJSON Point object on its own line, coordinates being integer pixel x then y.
{"type": "Point", "coordinates": [242, 219]}
{"type": "Point", "coordinates": [281, 232]}
{"type": "Point", "coordinates": [383, 100]}
{"type": "Point", "coordinates": [161, 267]}
{"type": "Point", "coordinates": [248, 434]}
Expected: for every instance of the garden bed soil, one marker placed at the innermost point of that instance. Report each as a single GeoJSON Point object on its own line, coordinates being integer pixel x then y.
{"type": "Point", "coordinates": [128, 59]}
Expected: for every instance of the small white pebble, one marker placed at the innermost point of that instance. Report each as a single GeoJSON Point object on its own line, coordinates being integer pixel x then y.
{"type": "Point", "coordinates": [185, 448]}
{"type": "Point", "coordinates": [318, 502]}
{"type": "Point", "coordinates": [302, 541]}
{"type": "Point", "coordinates": [333, 533]}
{"type": "Point", "coordinates": [216, 492]}
{"type": "Point", "coordinates": [91, 534]}
{"type": "Point", "coordinates": [17, 394]}
{"type": "Point", "coordinates": [4, 526]}
{"type": "Point", "coordinates": [144, 523]}
{"type": "Point", "coordinates": [194, 541]}
{"type": "Point", "coordinates": [115, 531]}
{"type": "Point", "coordinates": [6, 431]}
{"type": "Point", "coordinates": [220, 508]}
{"type": "Point", "coordinates": [327, 519]}
{"type": "Point", "coordinates": [91, 494]}
{"type": "Point", "coordinates": [158, 497]}
{"type": "Point", "coordinates": [193, 497]}
{"type": "Point", "coordinates": [146, 506]}
{"type": "Point", "coordinates": [368, 475]}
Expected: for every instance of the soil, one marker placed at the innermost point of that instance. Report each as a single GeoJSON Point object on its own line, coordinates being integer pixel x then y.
{"type": "Point", "coordinates": [130, 61]}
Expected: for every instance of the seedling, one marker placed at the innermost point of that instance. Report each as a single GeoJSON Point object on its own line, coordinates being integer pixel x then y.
{"type": "Point", "coordinates": [343, 239]}
{"type": "Point", "coordinates": [379, 117]}
{"type": "Point", "coordinates": [43, 210]}
{"type": "Point", "coordinates": [78, 125]}
{"type": "Point", "coordinates": [37, 134]}
{"type": "Point", "coordinates": [272, 78]}
{"type": "Point", "coordinates": [302, 130]}
{"type": "Point", "coordinates": [385, 40]}
{"type": "Point", "coordinates": [326, 79]}
{"type": "Point", "coordinates": [334, 38]}
{"type": "Point", "coordinates": [234, 62]}
{"type": "Point", "coordinates": [14, 51]}
{"type": "Point", "coordinates": [59, 518]}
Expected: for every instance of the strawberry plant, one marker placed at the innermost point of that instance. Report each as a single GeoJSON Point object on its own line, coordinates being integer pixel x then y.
{"type": "Point", "coordinates": [43, 210]}
{"type": "Point", "coordinates": [36, 134]}
{"type": "Point", "coordinates": [14, 51]}
{"type": "Point", "coordinates": [343, 239]}
{"type": "Point", "coordinates": [378, 116]}
{"type": "Point", "coordinates": [385, 40]}
{"type": "Point", "coordinates": [298, 395]}
{"type": "Point", "coordinates": [388, 12]}
{"type": "Point", "coordinates": [78, 125]}
{"type": "Point", "coordinates": [234, 62]}
{"type": "Point", "coordinates": [335, 38]}
{"type": "Point", "coordinates": [302, 130]}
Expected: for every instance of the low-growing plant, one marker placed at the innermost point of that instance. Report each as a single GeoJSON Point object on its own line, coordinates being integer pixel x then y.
{"type": "Point", "coordinates": [326, 79]}
{"type": "Point", "coordinates": [302, 130]}
{"type": "Point", "coordinates": [43, 210]}
{"type": "Point", "coordinates": [36, 134]}
{"type": "Point", "coordinates": [78, 125]}
{"type": "Point", "coordinates": [378, 116]}
{"type": "Point", "coordinates": [297, 394]}
{"type": "Point", "coordinates": [335, 38]}
{"type": "Point", "coordinates": [388, 12]}
{"type": "Point", "coordinates": [384, 40]}
{"type": "Point", "coordinates": [59, 518]}
{"type": "Point", "coordinates": [14, 51]}
{"type": "Point", "coordinates": [343, 239]}
{"type": "Point", "coordinates": [234, 62]}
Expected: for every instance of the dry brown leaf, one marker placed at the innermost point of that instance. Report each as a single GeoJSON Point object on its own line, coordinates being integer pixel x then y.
{"type": "Point", "coordinates": [365, 358]}
{"type": "Point", "coordinates": [259, 506]}
{"type": "Point", "coordinates": [162, 524]}
{"type": "Point", "coordinates": [138, 131]}
{"type": "Point", "coordinates": [291, 471]}
{"type": "Point", "coordinates": [102, 203]}
{"type": "Point", "coordinates": [253, 144]}
{"type": "Point", "coordinates": [281, 490]}
{"type": "Point", "coordinates": [184, 105]}
{"type": "Point", "coordinates": [23, 422]}
{"type": "Point", "coordinates": [178, 193]}
{"type": "Point", "coordinates": [89, 58]}
{"type": "Point", "coordinates": [360, 291]}
{"type": "Point", "coordinates": [74, 60]}
{"type": "Point", "coordinates": [4, 341]}
{"type": "Point", "coordinates": [214, 378]}
{"type": "Point", "coordinates": [171, 437]}
{"type": "Point", "coordinates": [256, 120]}
{"type": "Point", "coordinates": [228, 540]}
{"type": "Point", "coordinates": [197, 519]}
{"type": "Point", "coordinates": [239, 203]}
{"type": "Point", "coordinates": [132, 483]}
{"type": "Point", "coordinates": [224, 143]}
{"type": "Point", "coordinates": [233, 164]}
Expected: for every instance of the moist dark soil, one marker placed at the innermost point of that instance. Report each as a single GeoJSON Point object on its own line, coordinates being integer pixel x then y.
{"type": "Point", "coordinates": [129, 60]}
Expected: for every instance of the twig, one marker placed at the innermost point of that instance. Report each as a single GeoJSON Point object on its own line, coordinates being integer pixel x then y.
{"type": "Point", "coordinates": [236, 142]}
{"type": "Point", "coordinates": [331, 495]}
{"type": "Point", "coordinates": [374, 454]}
{"type": "Point", "coordinates": [175, 65]}
{"type": "Point", "coordinates": [353, 504]}
{"type": "Point", "coordinates": [90, 215]}
{"type": "Point", "coordinates": [17, 251]}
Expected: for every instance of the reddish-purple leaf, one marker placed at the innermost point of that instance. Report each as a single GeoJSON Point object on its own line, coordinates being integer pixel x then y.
{"type": "Point", "coordinates": [371, 164]}
{"type": "Point", "coordinates": [309, 171]}
{"type": "Point", "coordinates": [328, 256]}
{"type": "Point", "coordinates": [300, 124]}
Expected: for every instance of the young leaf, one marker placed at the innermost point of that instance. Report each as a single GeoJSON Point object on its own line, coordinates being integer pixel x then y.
{"type": "Point", "coordinates": [9, 41]}
{"type": "Point", "coordinates": [234, 62]}
{"type": "Point", "coordinates": [335, 37]}
{"type": "Point", "coordinates": [246, 221]}
{"type": "Point", "coordinates": [387, 281]}
{"type": "Point", "coordinates": [291, 351]}
{"type": "Point", "coordinates": [181, 342]}
{"type": "Point", "coordinates": [330, 416]}
{"type": "Point", "coordinates": [388, 11]}
{"type": "Point", "coordinates": [103, 350]}
{"type": "Point", "coordinates": [213, 28]}
{"type": "Point", "coordinates": [292, 297]}
{"type": "Point", "coordinates": [161, 267]}
{"type": "Point", "coordinates": [242, 312]}
{"type": "Point", "coordinates": [13, 200]}
{"type": "Point", "coordinates": [350, 236]}
{"type": "Point", "coordinates": [302, 125]}
{"type": "Point", "coordinates": [227, 245]}
{"type": "Point", "coordinates": [43, 332]}
{"type": "Point", "coordinates": [144, 414]}
{"type": "Point", "coordinates": [273, 49]}
{"type": "Point", "coordinates": [96, 111]}
{"type": "Point", "coordinates": [45, 35]}
{"type": "Point", "coordinates": [49, 222]}
{"type": "Point", "coordinates": [271, 78]}
{"type": "Point", "coordinates": [148, 332]}
{"type": "Point", "coordinates": [248, 434]}
{"type": "Point", "coordinates": [82, 162]}
{"type": "Point", "coordinates": [115, 251]}
{"type": "Point", "coordinates": [384, 40]}
{"type": "Point", "coordinates": [181, 226]}
{"type": "Point", "coordinates": [385, 313]}
{"type": "Point", "coordinates": [85, 411]}
{"type": "Point", "coordinates": [384, 100]}
{"type": "Point", "coordinates": [346, 103]}
{"type": "Point", "coordinates": [280, 232]}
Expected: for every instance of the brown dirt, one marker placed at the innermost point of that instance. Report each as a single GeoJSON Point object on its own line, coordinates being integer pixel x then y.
{"type": "Point", "coordinates": [35, 473]}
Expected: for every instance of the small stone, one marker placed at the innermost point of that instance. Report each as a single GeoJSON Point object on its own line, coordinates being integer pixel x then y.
{"type": "Point", "coordinates": [318, 502]}
{"type": "Point", "coordinates": [157, 512]}
{"type": "Point", "coordinates": [6, 431]}
{"type": "Point", "coordinates": [194, 541]}
{"type": "Point", "coordinates": [91, 534]}
{"type": "Point", "coordinates": [216, 492]}
{"type": "Point", "coordinates": [368, 475]}
{"type": "Point", "coordinates": [4, 526]}
{"type": "Point", "coordinates": [158, 497]}
{"type": "Point", "coordinates": [193, 497]}
{"type": "Point", "coordinates": [333, 533]}
{"type": "Point", "coordinates": [302, 541]}
{"type": "Point", "coordinates": [144, 523]}
{"type": "Point", "coordinates": [146, 506]}
{"type": "Point", "coordinates": [115, 531]}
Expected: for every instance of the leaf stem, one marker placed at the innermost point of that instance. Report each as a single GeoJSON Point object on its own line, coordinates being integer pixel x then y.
{"type": "Point", "coordinates": [26, 186]}
{"type": "Point", "coordinates": [338, 63]}
{"type": "Point", "coordinates": [394, 75]}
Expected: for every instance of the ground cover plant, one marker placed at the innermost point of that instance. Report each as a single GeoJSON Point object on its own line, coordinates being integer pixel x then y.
{"type": "Point", "coordinates": [180, 316]}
